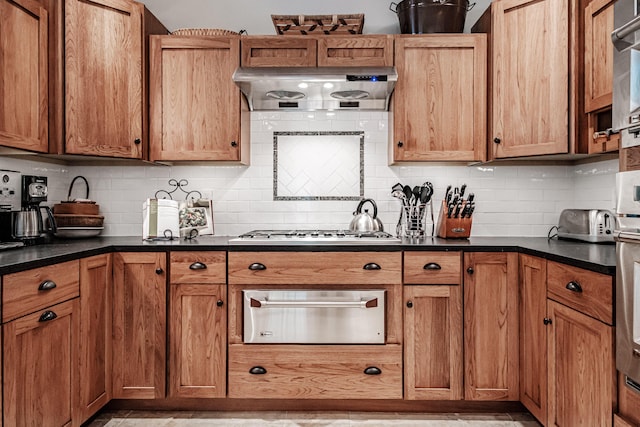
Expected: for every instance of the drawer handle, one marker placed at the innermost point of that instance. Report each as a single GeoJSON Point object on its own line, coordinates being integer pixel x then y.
{"type": "Point", "coordinates": [432, 266]}
{"type": "Point", "coordinates": [47, 285]}
{"type": "Point", "coordinates": [257, 370]}
{"type": "Point", "coordinates": [372, 370]}
{"type": "Point", "coordinates": [257, 266]}
{"type": "Point", "coordinates": [47, 316]}
{"type": "Point", "coordinates": [372, 266]}
{"type": "Point", "coordinates": [198, 266]}
{"type": "Point", "coordinates": [574, 286]}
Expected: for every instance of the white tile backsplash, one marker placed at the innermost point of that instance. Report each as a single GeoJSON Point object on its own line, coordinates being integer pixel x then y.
{"type": "Point", "coordinates": [511, 200]}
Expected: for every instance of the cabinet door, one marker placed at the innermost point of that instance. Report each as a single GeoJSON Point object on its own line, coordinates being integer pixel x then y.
{"type": "Point", "coordinates": [95, 334]}
{"type": "Point", "coordinates": [278, 51]}
{"type": "Point", "coordinates": [598, 55]}
{"type": "Point", "coordinates": [491, 326]}
{"type": "Point", "coordinates": [195, 106]}
{"type": "Point", "coordinates": [23, 75]}
{"type": "Point", "coordinates": [139, 325]}
{"type": "Point", "coordinates": [582, 368]}
{"type": "Point", "coordinates": [355, 51]}
{"type": "Point", "coordinates": [533, 335]}
{"type": "Point", "coordinates": [40, 375]}
{"type": "Point", "coordinates": [433, 342]}
{"type": "Point", "coordinates": [530, 87]}
{"type": "Point", "coordinates": [198, 340]}
{"type": "Point", "coordinates": [439, 109]}
{"type": "Point", "coordinates": [103, 75]}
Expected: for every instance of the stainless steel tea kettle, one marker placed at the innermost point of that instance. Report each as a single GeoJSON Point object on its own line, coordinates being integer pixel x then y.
{"type": "Point", "coordinates": [362, 221]}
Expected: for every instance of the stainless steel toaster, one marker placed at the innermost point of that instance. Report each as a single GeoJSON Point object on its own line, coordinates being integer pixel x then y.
{"type": "Point", "coordinates": [589, 225]}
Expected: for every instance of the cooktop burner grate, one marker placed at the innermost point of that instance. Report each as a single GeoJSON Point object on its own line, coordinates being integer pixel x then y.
{"type": "Point", "coordinates": [314, 236]}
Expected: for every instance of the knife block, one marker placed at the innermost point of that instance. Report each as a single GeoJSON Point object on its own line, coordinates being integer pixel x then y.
{"type": "Point", "coordinates": [453, 228]}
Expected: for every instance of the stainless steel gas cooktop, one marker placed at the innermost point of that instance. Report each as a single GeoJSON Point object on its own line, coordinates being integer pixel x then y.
{"type": "Point", "coordinates": [313, 237]}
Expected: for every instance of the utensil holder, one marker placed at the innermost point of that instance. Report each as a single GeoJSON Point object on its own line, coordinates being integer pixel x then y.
{"type": "Point", "coordinates": [453, 228]}
{"type": "Point", "coordinates": [414, 220]}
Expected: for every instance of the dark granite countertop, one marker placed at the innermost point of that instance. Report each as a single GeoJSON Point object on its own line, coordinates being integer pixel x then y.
{"type": "Point", "coordinates": [596, 257]}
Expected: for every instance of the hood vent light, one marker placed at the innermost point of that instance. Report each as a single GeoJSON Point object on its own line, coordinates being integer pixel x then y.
{"type": "Point", "coordinates": [350, 94]}
{"type": "Point", "coordinates": [284, 95]}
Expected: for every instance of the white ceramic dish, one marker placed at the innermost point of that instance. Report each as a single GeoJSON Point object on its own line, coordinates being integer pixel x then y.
{"type": "Point", "coordinates": [78, 232]}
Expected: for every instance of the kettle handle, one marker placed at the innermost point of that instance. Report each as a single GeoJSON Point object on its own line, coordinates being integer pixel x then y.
{"type": "Point", "coordinates": [375, 208]}
{"type": "Point", "coordinates": [52, 220]}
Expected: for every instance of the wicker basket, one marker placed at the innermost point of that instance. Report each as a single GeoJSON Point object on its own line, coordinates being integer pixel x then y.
{"type": "Point", "coordinates": [318, 24]}
{"type": "Point", "coordinates": [203, 32]}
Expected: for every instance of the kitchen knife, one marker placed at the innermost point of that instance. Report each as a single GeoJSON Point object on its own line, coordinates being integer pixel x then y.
{"type": "Point", "coordinates": [473, 206]}
{"type": "Point", "coordinates": [450, 210]}
{"type": "Point", "coordinates": [471, 197]}
{"type": "Point", "coordinates": [464, 187]}
{"type": "Point", "coordinates": [458, 209]}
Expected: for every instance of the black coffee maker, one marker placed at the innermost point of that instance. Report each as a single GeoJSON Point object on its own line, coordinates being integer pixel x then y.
{"type": "Point", "coordinates": [10, 203]}
{"type": "Point", "coordinates": [29, 225]}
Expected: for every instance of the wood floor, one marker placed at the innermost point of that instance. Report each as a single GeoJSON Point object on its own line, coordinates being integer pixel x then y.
{"type": "Point", "coordinates": [307, 419]}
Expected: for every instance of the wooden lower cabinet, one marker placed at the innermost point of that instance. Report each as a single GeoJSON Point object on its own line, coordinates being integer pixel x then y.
{"type": "Point", "coordinates": [95, 335]}
{"type": "Point", "coordinates": [533, 335]}
{"type": "Point", "coordinates": [315, 371]}
{"type": "Point", "coordinates": [433, 342]}
{"type": "Point", "coordinates": [139, 325]}
{"type": "Point", "coordinates": [198, 340]}
{"type": "Point", "coordinates": [40, 368]}
{"type": "Point", "coordinates": [581, 369]}
{"type": "Point", "coordinates": [491, 326]}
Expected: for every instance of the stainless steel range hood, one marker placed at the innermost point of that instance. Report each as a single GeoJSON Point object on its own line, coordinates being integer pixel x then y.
{"type": "Point", "coordinates": [322, 88]}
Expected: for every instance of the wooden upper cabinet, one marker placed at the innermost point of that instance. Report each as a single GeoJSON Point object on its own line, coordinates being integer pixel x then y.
{"type": "Point", "coordinates": [529, 95]}
{"type": "Point", "coordinates": [439, 103]}
{"type": "Point", "coordinates": [598, 55]}
{"type": "Point", "coordinates": [355, 51]}
{"type": "Point", "coordinates": [195, 105]}
{"type": "Point", "coordinates": [103, 75]}
{"type": "Point", "coordinates": [279, 51]}
{"type": "Point", "coordinates": [23, 75]}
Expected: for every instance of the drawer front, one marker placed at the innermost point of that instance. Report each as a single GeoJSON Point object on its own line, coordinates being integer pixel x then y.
{"type": "Point", "coordinates": [315, 372]}
{"type": "Point", "coordinates": [317, 268]}
{"type": "Point", "coordinates": [586, 291]}
{"type": "Point", "coordinates": [32, 290]}
{"type": "Point", "coordinates": [432, 268]}
{"type": "Point", "coordinates": [199, 267]}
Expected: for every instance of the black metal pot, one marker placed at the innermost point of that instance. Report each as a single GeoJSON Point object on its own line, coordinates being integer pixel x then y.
{"type": "Point", "coordinates": [431, 16]}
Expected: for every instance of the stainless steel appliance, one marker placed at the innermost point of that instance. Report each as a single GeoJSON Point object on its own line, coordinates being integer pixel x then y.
{"type": "Point", "coordinates": [287, 237]}
{"type": "Point", "coordinates": [29, 225]}
{"type": "Point", "coordinates": [316, 88]}
{"type": "Point", "coordinates": [10, 196]}
{"type": "Point", "coordinates": [589, 225]}
{"type": "Point", "coordinates": [626, 71]}
{"type": "Point", "coordinates": [304, 316]}
{"type": "Point", "coordinates": [627, 236]}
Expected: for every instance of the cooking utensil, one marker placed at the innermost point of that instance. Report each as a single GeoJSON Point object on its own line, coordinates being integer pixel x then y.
{"type": "Point", "coordinates": [462, 188]}
{"type": "Point", "coordinates": [408, 193]}
{"type": "Point", "coordinates": [363, 221]}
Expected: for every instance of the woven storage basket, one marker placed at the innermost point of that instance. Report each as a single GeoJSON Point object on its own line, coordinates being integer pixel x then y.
{"type": "Point", "coordinates": [203, 32]}
{"type": "Point", "coordinates": [318, 24]}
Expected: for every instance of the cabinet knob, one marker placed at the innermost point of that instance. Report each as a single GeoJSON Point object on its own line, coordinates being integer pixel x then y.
{"type": "Point", "coordinates": [372, 266]}
{"type": "Point", "coordinates": [470, 270]}
{"type": "Point", "coordinates": [432, 266]}
{"type": "Point", "coordinates": [497, 140]}
{"type": "Point", "coordinates": [574, 286]}
{"type": "Point", "coordinates": [234, 144]}
{"type": "Point", "coordinates": [47, 285]}
{"type": "Point", "coordinates": [257, 266]}
{"type": "Point", "coordinates": [400, 144]}
{"type": "Point", "coordinates": [159, 270]}
{"type": "Point", "coordinates": [47, 316]}
{"type": "Point", "coordinates": [198, 266]}
{"type": "Point", "coordinates": [372, 370]}
{"type": "Point", "coordinates": [409, 304]}
{"type": "Point", "coordinates": [219, 303]}
{"type": "Point", "coordinates": [257, 370]}
{"type": "Point", "coordinates": [547, 321]}
{"type": "Point", "coordinates": [137, 141]}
